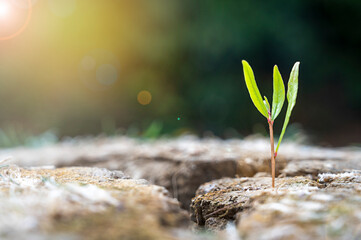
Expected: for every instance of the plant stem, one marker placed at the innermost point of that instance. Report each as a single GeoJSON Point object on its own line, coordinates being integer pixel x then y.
{"type": "Point", "coordinates": [273, 162]}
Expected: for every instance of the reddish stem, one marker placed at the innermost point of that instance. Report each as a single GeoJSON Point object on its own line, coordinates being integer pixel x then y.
{"type": "Point", "coordinates": [273, 162]}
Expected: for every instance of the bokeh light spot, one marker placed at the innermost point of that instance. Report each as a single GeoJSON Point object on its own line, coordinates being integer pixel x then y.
{"type": "Point", "coordinates": [99, 69]}
{"type": "Point", "coordinates": [62, 8]}
{"type": "Point", "coordinates": [106, 74]}
{"type": "Point", "coordinates": [88, 63]}
{"type": "Point", "coordinates": [144, 97]}
{"type": "Point", "coordinates": [178, 118]}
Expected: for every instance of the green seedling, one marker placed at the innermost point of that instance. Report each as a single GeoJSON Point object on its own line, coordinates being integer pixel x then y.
{"type": "Point", "coordinates": [264, 107]}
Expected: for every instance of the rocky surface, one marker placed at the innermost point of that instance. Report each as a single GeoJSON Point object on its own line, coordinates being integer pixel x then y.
{"type": "Point", "coordinates": [183, 164]}
{"type": "Point", "coordinates": [299, 208]}
{"type": "Point", "coordinates": [318, 194]}
{"type": "Point", "coordinates": [84, 203]}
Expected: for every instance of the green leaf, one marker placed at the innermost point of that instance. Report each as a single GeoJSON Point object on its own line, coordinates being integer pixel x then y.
{"type": "Point", "coordinates": [278, 93]}
{"type": "Point", "coordinates": [253, 89]}
{"type": "Point", "coordinates": [291, 98]}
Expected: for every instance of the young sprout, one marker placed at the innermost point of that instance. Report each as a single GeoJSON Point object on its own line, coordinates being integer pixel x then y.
{"type": "Point", "coordinates": [263, 105]}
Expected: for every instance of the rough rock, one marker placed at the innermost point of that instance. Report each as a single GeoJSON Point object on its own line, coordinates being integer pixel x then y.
{"type": "Point", "coordinates": [183, 164]}
{"type": "Point", "coordinates": [224, 198]}
{"type": "Point", "coordinates": [331, 212]}
{"type": "Point", "coordinates": [84, 203]}
{"type": "Point", "coordinates": [299, 207]}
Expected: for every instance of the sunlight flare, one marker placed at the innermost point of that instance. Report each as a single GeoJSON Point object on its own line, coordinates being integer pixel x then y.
{"type": "Point", "coordinates": [4, 8]}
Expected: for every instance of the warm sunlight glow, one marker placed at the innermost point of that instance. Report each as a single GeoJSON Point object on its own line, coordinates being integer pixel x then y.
{"type": "Point", "coordinates": [4, 8]}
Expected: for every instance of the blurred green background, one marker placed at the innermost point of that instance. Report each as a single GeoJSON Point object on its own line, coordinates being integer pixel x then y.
{"type": "Point", "coordinates": [155, 67]}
